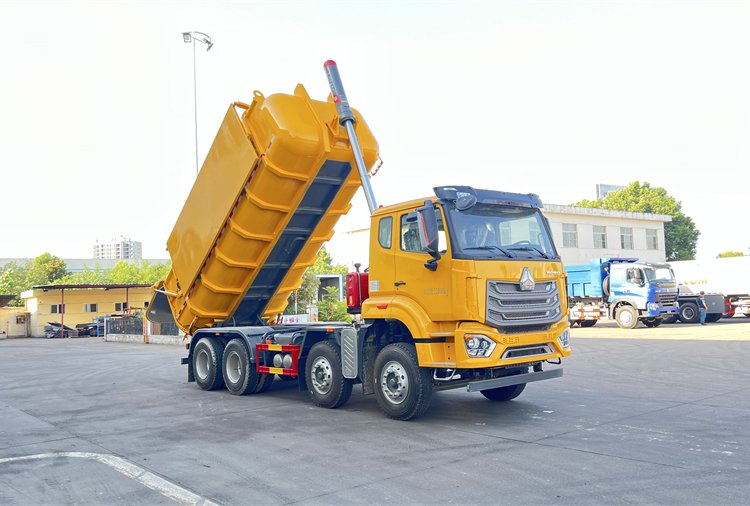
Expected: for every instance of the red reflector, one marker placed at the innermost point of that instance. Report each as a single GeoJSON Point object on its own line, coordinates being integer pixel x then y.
{"type": "Point", "coordinates": [382, 306]}
{"type": "Point", "coordinates": [329, 329]}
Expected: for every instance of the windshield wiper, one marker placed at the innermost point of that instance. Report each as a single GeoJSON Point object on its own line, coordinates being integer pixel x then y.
{"type": "Point", "coordinates": [530, 248]}
{"type": "Point", "coordinates": [498, 248]}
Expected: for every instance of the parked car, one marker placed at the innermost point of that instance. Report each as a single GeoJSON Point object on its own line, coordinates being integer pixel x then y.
{"type": "Point", "coordinates": [53, 329]}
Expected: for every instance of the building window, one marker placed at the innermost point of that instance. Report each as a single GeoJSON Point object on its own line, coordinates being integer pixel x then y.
{"type": "Point", "coordinates": [57, 308]}
{"type": "Point", "coordinates": [626, 238]}
{"type": "Point", "coordinates": [385, 232]}
{"type": "Point", "coordinates": [570, 235]}
{"type": "Point", "coordinates": [652, 241]}
{"type": "Point", "coordinates": [89, 308]}
{"type": "Point", "coordinates": [121, 306]}
{"type": "Point", "coordinates": [600, 237]}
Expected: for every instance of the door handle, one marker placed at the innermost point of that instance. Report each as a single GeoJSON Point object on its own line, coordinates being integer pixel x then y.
{"type": "Point", "coordinates": [399, 283]}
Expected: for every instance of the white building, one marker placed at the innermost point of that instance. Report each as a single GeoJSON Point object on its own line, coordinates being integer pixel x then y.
{"type": "Point", "coordinates": [121, 249]}
{"type": "Point", "coordinates": [582, 233]}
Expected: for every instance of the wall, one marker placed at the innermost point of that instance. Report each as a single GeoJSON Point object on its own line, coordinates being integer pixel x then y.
{"type": "Point", "coordinates": [39, 304]}
{"type": "Point", "coordinates": [585, 219]}
{"type": "Point", "coordinates": [9, 322]}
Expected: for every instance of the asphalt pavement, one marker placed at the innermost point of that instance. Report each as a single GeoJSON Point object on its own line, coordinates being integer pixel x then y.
{"type": "Point", "coordinates": [648, 416]}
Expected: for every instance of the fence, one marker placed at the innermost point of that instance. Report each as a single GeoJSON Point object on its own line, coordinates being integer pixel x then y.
{"type": "Point", "coordinates": [132, 329]}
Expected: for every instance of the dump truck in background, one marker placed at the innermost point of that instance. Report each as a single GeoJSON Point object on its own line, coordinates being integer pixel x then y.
{"type": "Point", "coordinates": [623, 289]}
{"type": "Point", "coordinates": [728, 277]}
{"type": "Point", "coordinates": [464, 288]}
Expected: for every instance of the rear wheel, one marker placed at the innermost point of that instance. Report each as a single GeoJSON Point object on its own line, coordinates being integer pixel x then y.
{"type": "Point", "coordinates": [689, 312]}
{"type": "Point", "coordinates": [240, 376]}
{"type": "Point", "coordinates": [713, 317]}
{"type": "Point", "coordinates": [402, 388]}
{"type": "Point", "coordinates": [207, 363]}
{"type": "Point", "coordinates": [587, 323]}
{"type": "Point", "coordinates": [325, 381]}
{"type": "Point", "coordinates": [627, 317]}
{"type": "Point", "coordinates": [504, 393]}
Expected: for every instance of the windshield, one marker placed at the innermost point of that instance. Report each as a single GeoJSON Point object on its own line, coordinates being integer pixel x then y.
{"type": "Point", "coordinates": [492, 231]}
{"type": "Point", "coordinates": [659, 274]}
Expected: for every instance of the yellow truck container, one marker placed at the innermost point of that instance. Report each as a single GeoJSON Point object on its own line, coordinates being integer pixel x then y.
{"type": "Point", "coordinates": [275, 182]}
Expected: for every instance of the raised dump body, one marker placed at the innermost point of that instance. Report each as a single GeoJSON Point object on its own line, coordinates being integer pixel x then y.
{"type": "Point", "coordinates": [279, 175]}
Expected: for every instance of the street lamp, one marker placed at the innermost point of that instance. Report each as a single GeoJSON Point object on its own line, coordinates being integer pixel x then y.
{"type": "Point", "coordinates": [192, 37]}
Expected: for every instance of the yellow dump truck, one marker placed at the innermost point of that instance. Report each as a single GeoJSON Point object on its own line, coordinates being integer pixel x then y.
{"type": "Point", "coordinates": [464, 288]}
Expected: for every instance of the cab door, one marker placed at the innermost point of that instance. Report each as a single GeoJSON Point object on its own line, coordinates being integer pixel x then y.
{"type": "Point", "coordinates": [431, 290]}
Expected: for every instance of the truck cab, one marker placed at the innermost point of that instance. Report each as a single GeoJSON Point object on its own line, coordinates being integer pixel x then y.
{"type": "Point", "coordinates": [639, 291]}
{"type": "Point", "coordinates": [488, 292]}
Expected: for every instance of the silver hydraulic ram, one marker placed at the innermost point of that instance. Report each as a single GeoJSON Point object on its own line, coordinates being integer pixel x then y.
{"type": "Point", "coordinates": [347, 119]}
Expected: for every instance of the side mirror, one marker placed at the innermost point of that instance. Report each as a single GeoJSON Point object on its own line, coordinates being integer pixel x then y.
{"type": "Point", "coordinates": [428, 232]}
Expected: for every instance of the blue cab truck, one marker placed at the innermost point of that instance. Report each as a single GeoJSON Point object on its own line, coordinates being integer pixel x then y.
{"type": "Point", "coordinates": [627, 290]}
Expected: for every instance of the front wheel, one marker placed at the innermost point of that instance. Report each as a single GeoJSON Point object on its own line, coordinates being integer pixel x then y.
{"type": "Point", "coordinates": [325, 381]}
{"type": "Point", "coordinates": [504, 393]}
{"type": "Point", "coordinates": [652, 322]}
{"type": "Point", "coordinates": [403, 389]}
{"type": "Point", "coordinates": [587, 323]}
{"type": "Point", "coordinates": [627, 317]}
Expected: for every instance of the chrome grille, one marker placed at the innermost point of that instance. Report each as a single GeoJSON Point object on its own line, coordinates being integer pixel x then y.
{"type": "Point", "coordinates": [509, 306]}
{"type": "Point", "coordinates": [666, 299]}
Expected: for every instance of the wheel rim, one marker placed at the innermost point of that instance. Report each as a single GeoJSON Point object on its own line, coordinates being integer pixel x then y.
{"type": "Point", "coordinates": [688, 313]}
{"type": "Point", "coordinates": [394, 382]}
{"type": "Point", "coordinates": [321, 376]}
{"type": "Point", "coordinates": [234, 367]}
{"type": "Point", "coordinates": [625, 317]}
{"type": "Point", "coordinates": [201, 364]}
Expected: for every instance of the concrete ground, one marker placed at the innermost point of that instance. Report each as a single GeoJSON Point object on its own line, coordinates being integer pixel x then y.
{"type": "Point", "coordinates": [648, 416]}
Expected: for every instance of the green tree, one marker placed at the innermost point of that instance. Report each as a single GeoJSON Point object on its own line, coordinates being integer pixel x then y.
{"type": "Point", "coordinates": [305, 295]}
{"type": "Point", "coordinates": [331, 309]}
{"type": "Point", "coordinates": [308, 292]}
{"type": "Point", "coordinates": [45, 269]}
{"type": "Point", "coordinates": [680, 235]}
{"type": "Point", "coordinates": [13, 281]}
{"type": "Point", "coordinates": [96, 276]}
{"type": "Point", "coordinates": [324, 264]}
{"type": "Point", "coordinates": [727, 254]}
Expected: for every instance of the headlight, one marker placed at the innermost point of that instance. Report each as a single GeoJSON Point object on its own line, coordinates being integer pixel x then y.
{"type": "Point", "coordinates": [564, 338]}
{"type": "Point", "coordinates": [652, 306]}
{"type": "Point", "coordinates": [478, 345]}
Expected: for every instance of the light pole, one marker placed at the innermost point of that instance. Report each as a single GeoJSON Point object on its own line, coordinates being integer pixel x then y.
{"type": "Point", "coordinates": [192, 37]}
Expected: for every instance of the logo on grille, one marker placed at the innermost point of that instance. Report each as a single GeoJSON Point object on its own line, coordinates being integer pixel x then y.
{"type": "Point", "coordinates": [526, 283]}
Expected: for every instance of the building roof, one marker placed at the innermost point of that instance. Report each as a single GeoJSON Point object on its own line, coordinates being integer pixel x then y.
{"type": "Point", "coordinates": [595, 211]}
{"type": "Point", "coordinates": [88, 286]}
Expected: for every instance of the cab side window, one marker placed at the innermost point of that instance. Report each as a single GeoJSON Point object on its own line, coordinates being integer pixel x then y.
{"type": "Point", "coordinates": [634, 276]}
{"type": "Point", "coordinates": [385, 229]}
{"type": "Point", "coordinates": [409, 235]}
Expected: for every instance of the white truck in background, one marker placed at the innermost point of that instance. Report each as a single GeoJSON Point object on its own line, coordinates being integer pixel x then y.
{"type": "Point", "coordinates": [727, 276]}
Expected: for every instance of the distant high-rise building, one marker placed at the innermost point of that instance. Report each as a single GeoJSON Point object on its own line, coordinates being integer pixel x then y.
{"type": "Point", "coordinates": [121, 249]}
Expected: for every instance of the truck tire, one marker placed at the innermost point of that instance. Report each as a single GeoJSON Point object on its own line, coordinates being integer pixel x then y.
{"type": "Point", "coordinates": [207, 363]}
{"type": "Point", "coordinates": [264, 382]}
{"type": "Point", "coordinates": [504, 393]}
{"type": "Point", "coordinates": [587, 323]}
{"type": "Point", "coordinates": [626, 317]}
{"type": "Point", "coordinates": [605, 286]}
{"type": "Point", "coordinates": [325, 381]}
{"type": "Point", "coordinates": [670, 319]}
{"type": "Point", "coordinates": [652, 322]}
{"type": "Point", "coordinates": [240, 376]}
{"type": "Point", "coordinates": [713, 317]}
{"type": "Point", "coordinates": [402, 388]}
{"type": "Point", "coordinates": [689, 312]}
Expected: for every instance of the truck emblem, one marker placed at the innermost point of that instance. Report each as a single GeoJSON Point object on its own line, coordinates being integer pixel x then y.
{"type": "Point", "coordinates": [526, 282]}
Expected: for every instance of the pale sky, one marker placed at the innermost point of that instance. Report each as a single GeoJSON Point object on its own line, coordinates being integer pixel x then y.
{"type": "Point", "coordinates": [96, 104]}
